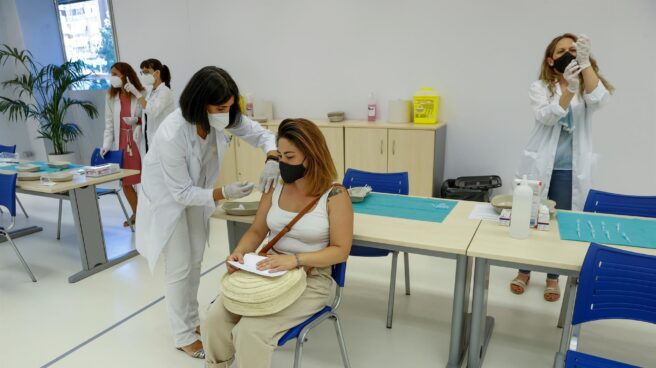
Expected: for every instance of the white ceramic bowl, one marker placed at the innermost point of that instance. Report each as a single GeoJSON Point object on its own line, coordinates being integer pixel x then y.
{"type": "Point", "coordinates": [504, 201]}
{"type": "Point", "coordinates": [59, 164]}
{"type": "Point", "coordinates": [29, 176]}
{"type": "Point", "coordinates": [27, 168]}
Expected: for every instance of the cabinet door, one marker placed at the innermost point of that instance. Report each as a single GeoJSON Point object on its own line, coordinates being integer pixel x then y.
{"type": "Point", "coordinates": [228, 173]}
{"type": "Point", "coordinates": [335, 141]}
{"type": "Point", "coordinates": [365, 149]}
{"type": "Point", "coordinates": [250, 161]}
{"type": "Point", "coordinates": [413, 151]}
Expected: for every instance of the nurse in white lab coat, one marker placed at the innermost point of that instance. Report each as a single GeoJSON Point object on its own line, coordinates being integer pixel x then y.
{"type": "Point", "coordinates": [159, 103]}
{"type": "Point", "coordinates": [178, 195]}
{"type": "Point", "coordinates": [559, 152]}
{"type": "Point", "coordinates": [121, 103]}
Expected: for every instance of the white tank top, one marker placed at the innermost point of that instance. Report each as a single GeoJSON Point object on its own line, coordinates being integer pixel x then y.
{"type": "Point", "coordinates": [310, 234]}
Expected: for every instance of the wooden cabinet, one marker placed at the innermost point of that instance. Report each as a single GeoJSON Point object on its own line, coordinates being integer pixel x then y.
{"type": "Point", "coordinates": [365, 149]}
{"type": "Point", "coordinates": [250, 161]}
{"type": "Point", "coordinates": [335, 142]}
{"type": "Point", "coordinates": [412, 151]}
{"type": "Point", "coordinates": [391, 148]}
{"type": "Point", "coordinates": [228, 173]}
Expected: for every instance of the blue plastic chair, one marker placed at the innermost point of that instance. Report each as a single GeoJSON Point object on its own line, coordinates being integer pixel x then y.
{"type": "Point", "coordinates": [598, 201]}
{"type": "Point", "coordinates": [12, 149]}
{"type": "Point", "coordinates": [300, 331]}
{"type": "Point", "coordinates": [613, 284]}
{"type": "Point", "coordinates": [620, 204]}
{"type": "Point", "coordinates": [111, 157]}
{"type": "Point", "coordinates": [8, 201]}
{"type": "Point", "coordinates": [394, 183]}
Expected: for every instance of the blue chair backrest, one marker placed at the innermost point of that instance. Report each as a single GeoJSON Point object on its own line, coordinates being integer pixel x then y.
{"type": "Point", "coordinates": [111, 157]}
{"type": "Point", "coordinates": [620, 204]}
{"type": "Point", "coordinates": [616, 284]}
{"type": "Point", "coordinates": [339, 273]}
{"type": "Point", "coordinates": [8, 192]}
{"type": "Point", "coordinates": [9, 149]}
{"type": "Point", "coordinates": [395, 183]}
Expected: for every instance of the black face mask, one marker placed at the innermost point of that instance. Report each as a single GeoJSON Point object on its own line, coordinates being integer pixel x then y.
{"type": "Point", "coordinates": [291, 173]}
{"type": "Point", "coordinates": [562, 62]}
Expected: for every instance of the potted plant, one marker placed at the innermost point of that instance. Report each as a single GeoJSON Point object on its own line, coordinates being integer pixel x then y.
{"type": "Point", "coordinates": [40, 94]}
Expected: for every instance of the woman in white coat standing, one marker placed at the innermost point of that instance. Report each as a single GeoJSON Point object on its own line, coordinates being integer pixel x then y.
{"type": "Point", "coordinates": [178, 194]}
{"type": "Point", "coordinates": [121, 133]}
{"type": "Point", "coordinates": [559, 152]}
{"type": "Point", "coordinates": [159, 103]}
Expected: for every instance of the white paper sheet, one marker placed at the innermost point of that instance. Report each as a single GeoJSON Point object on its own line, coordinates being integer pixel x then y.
{"type": "Point", "coordinates": [484, 212]}
{"type": "Point", "coordinates": [250, 265]}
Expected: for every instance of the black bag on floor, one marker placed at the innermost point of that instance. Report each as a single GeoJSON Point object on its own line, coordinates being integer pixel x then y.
{"type": "Point", "coordinates": [470, 188]}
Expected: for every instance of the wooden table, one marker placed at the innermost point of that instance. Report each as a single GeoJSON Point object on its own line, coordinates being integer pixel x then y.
{"type": "Point", "coordinates": [543, 251]}
{"type": "Point", "coordinates": [448, 239]}
{"type": "Point", "coordinates": [81, 192]}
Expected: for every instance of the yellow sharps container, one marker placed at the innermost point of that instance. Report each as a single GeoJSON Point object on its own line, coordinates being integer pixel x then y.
{"type": "Point", "coordinates": [425, 106]}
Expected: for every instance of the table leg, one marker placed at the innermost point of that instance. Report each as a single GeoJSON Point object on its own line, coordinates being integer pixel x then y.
{"type": "Point", "coordinates": [481, 324]}
{"type": "Point", "coordinates": [90, 234]}
{"type": "Point", "coordinates": [566, 336]}
{"type": "Point", "coordinates": [235, 231]}
{"type": "Point", "coordinates": [459, 323]}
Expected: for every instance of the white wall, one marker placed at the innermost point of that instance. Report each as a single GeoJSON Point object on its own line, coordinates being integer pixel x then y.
{"type": "Point", "coordinates": [11, 132]}
{"type": "Point", "coordinates": [311, 57]}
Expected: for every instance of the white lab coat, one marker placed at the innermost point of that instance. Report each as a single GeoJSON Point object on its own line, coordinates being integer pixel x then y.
{"type": "Point", "coordinates": [537, 160]}
{"type": "Point", "coordinates": [159, 104]}
{"type": "Point", "coordinates": [170, 173]}
{"type": "Point", "coordinates": [113, 122]}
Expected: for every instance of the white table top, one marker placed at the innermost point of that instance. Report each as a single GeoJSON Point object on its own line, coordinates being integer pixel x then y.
{"type": "Point", "coordinates": [77, 182]}
{"type": "Point", "coordinates": [451, 236]}
{"type": "Point", "coordinates": [542, 248]}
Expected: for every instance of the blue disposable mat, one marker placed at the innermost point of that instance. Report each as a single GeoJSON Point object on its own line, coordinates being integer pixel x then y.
{"type": "Point", "coordinates": [43, 167]}
{"type": "Point", "coordinates": [634, 232]}
{"type": "Point", "coordinates": [401, 206]}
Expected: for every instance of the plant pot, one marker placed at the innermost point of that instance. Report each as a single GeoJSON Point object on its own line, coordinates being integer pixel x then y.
{"type": "Point", "coordinates": [67, 157]}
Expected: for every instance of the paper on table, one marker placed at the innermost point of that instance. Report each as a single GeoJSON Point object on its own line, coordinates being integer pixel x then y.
{"type": "Point", "coordinates": [250, 265]}
{"type": "Point", "coordinates": [484, 212]}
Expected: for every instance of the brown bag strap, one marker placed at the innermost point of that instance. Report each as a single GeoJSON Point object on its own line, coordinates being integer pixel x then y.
{"type": "Point", "coordinates": [288, 227]}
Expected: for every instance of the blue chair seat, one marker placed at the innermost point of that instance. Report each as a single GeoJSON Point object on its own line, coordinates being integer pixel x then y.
{"type": "Point", "coordinates": [576, 359]}
{"type": "Point", "coordinates": [295, 331]}
{"type": "Point", "coordinates": [103, 191]}
{"type": "Point", "coordinates": [357, 250]}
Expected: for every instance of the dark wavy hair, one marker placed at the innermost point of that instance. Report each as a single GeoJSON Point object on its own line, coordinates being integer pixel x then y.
{"type": "Point", "coordinates": [164, 72]}
{"type": "Point", "coordinates": [209, 86]}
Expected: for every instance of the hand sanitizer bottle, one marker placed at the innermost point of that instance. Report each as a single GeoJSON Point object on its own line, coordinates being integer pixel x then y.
{"type": "Point", "coordinates": [520, 218]}
{"type": "Point", "coordinates": [372, 108]}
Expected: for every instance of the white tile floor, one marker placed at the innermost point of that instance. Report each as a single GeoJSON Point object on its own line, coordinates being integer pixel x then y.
{"type": "Point", "coordinates": [40, 322]}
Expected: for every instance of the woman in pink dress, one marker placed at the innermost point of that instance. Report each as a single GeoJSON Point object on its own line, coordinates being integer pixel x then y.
{"type": "Point", "coordinates": [120, 133]}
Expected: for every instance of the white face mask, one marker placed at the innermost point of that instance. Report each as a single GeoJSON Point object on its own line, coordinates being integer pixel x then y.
{"type": "Point", "coordinates": [147, 79]}
{"type": "Point", "coordinates": [219, 121]}
{"type": "Point", "coordinates": [115, 81]}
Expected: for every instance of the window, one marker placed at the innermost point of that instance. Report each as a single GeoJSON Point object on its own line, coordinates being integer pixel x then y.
{"type": "Point", "coordinates": [87, 33]}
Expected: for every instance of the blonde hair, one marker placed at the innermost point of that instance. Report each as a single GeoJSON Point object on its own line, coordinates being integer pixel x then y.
{"type": "Point", "coordinates": [307, 137]}
{"type": "Point", "coordinates": [549, 75]}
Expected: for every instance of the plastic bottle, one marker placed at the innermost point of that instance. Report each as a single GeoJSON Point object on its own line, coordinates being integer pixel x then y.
{"type": "Point", "coordinates": [372, 108]}
{"type": "Point", "coordinates": [520, 219]}
{"type": "Point", "coordinates": [249, 105]}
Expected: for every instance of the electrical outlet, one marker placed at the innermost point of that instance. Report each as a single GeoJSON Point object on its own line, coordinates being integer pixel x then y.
{"type": "Point", "coordinates": [27, 154]}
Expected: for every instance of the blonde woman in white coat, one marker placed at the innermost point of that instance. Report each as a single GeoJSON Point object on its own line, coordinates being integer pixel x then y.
{"type": "Point", "coordinates": [178, 194]}
{"type": "Point", "coordinates": [121, 133]}
{"type": "Point", "coordinates": [559, 152]}
{"type": "Point", "coordinates": [159, 103]}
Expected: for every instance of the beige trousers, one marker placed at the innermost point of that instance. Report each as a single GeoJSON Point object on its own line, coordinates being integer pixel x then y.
{"type": "Point", "coordinates": [252, 339]}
